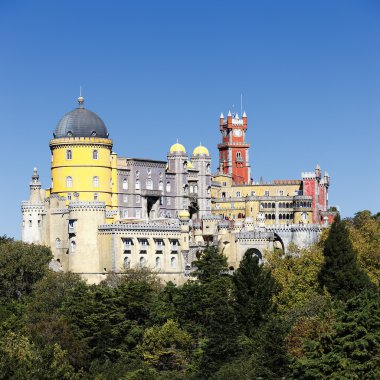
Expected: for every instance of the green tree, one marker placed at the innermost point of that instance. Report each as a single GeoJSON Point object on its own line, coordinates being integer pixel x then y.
{"type": "Point", "coordinates": [167, 347]}
{"type": "Point", "coordinates": [365, 237]}
{"type": "Point", "coordinates": [351, 350]}
{"type": "Point", "coordinates": [21, 266]}
{"type": "Point", "coordinates": [254, 290]}
{"type": "Point", "coordinates": [340, 273]}
{"type": "Point", "coordinates": [211, 265]}
{"type": "Point", "coordinates": [297, 275]}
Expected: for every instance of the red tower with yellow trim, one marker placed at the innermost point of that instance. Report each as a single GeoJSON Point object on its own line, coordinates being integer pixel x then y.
{"type": "Point", "coordinates": [234, 150]}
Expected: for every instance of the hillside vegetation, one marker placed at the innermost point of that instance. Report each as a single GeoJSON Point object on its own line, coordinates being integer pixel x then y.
{"type": "Point", "coordinates": [311, 314]}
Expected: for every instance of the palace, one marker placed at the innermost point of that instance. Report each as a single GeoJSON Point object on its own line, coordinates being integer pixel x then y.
{"type": "Point", "coordinates": [103, 213]}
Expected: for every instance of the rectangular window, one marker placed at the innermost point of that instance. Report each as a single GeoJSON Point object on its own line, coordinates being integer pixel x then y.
{"type": "Point", "coordinates": [266, 194]}
{"type": "Point", "coordinates": [69, 196]}
{"type": "Point", "coordinates": [168, 201]}
{"type": "Point", "coordinates": [281, 193]}
{"type": "Point", "coordinates": [138, 213]}
{"type": "Point", "coordinates": [125, 213]}
{"type": "Point", "coordinates": [95, 196]}
{"type": "Point", "coordinates": [69, 154]}
{"type": "Point", "coordinates": [125, 198]}
{"type": "Point", "coordinates": [137, 198]}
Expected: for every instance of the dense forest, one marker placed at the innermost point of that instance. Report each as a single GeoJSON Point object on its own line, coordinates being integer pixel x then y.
{"type": "Point", "coordinates": [310, 314]}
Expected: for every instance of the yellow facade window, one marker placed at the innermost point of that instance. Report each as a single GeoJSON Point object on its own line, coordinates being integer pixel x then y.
{"type": "Point", "coordinates": [69, 181]}
{"type": "Point", "coordinates": [95, 154]}
{"type": "Point", "coordinates": [69, 154]}
{"type": "Point", "coordinates": [95, 181]}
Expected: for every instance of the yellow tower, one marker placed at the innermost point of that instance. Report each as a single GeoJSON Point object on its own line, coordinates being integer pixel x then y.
{"type": "Point", "coordinates": [81, 164]}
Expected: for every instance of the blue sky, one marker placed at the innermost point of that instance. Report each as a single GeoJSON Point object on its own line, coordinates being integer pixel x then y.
{"type": "Point", "coordinates": [156, 71]}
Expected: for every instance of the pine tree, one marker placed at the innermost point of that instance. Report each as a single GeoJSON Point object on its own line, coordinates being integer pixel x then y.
{"type": "Point", "coordinates": [340, 273]}
{"type": "Point", "coordinates": [255, 288]}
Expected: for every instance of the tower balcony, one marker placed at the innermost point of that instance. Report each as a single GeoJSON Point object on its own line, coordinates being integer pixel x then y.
{"type": "Point", "coordinates": [235, 144]}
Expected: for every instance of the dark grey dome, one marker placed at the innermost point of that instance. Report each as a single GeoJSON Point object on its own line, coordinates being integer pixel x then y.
{"type": "Point", "coordinates": [81, 123]}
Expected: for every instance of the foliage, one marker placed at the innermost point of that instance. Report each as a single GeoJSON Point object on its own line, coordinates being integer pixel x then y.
{"type": "Point", "coordinates": [351, 350]}
{"type": "Point", "coordinates": [167, 347]}
{"type": "Point", "coordinates": [365, 236]}
{"type": "Point", "coordinates": [297, 275]}
{"type": "Point", "coordinates": [263, 321]}
{"type": "Point", "coordinates": [254, 290]}
{"type": "Point", "coordinates": [211, 265]}
{"type": "Point", "coordinates": [21, 266]}
{"type": "Point", "coordinates": [340, 273]}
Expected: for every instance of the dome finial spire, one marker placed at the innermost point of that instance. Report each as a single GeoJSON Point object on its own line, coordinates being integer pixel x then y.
{"type": "Point", "coordinates": [80, 98]}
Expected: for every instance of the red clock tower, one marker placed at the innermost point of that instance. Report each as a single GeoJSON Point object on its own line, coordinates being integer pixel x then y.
{"type": "Point", "coordinates": [234, 151]}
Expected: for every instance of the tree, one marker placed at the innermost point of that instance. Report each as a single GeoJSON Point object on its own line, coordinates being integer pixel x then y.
{"type": "Point", "coordinates": [351, 349]}
{"type": "Point", "coordinates": [21, 266]}
{"type": "Point", "coordinates": [365, 237]}
{"type": "Point", "coordinates": [254, 290]}
{"type": "Point", "coordinates": [297, 275]}
{"type": "Point", "coordinates": [167, 347]}
{"type": "Point", "coordinates": [340, 273]}
{"type": "Point", "coordinates": [212, 264]}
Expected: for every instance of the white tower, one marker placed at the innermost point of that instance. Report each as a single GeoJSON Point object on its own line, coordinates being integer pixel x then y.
{"type": "Point", "coordinates": [32, 211]}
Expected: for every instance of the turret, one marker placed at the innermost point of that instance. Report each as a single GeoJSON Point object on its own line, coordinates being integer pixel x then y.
{"type": "Point", "coordinates": [201, 160]}
{"type": "Point", "coordinates": [32, 212]}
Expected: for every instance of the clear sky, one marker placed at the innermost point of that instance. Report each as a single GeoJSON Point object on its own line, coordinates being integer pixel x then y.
{"type": "Point", "coordinates": [155, 71]}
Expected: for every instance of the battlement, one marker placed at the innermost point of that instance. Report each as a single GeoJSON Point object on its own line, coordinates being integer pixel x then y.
{"type": "Point", "coordinates": [308, 175]}
{"type": "Point", "coordinates": [87, 206]}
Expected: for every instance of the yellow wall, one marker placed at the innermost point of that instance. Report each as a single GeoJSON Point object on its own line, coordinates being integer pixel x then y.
{"type": "Point", "coordinates": [82, 168]}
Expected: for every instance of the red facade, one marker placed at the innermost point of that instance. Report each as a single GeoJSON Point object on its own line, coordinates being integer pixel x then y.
{"type": "Point", "coordinates": [234, 151]}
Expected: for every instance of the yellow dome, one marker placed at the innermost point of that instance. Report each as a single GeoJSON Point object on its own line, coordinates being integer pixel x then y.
{"type": "Point", "coordinates": [201, 151]}
{"type": "Point", "coordinates": [184, 214]}
{"type": "Point", "coordinates": [177, 147]}
{"type": "Point", "coordinates": [190, 165]}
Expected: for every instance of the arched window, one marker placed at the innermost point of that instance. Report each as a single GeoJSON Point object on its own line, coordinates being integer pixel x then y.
{"type": "Point", "coordinates": [209, 190]}
{"type": "Point", "coordinates": [191, 189]}
{"type": "Point", "coordinates": [208, 169]}
{"type": "Point", "coordinates": [125, 184]}
{"type": "Point", "coordinates": [195, 189]}
{"type": "Point", "coordinates": [168, 187]}
{"type": "Point", "coordinates": [273, 205]}
{"type": "Point", "coordinates": [173, 262]}
{"type": "Point", "coordinates": [160, 185]}
{"type": "Point", "coordinates": [149, 184]}
{"type": "Point", "coordinates": [127, 262]}
{"type": "Point", "coordinates": [287, 216]}
{"type": "Point", "coordinates": [95, 154]}
{"type": "Point", "coordinates": [158, 262]}
{"type": "Point", "coordinates": [142, 262]}
{"type": "Point", "coordinates": [95, 181]}
{"type": "Point", "coordinates": [69, 181]}
{"type": "Point", "coordinates": [185, 165]}
{"type": "Point", "coordinates": [280, 216]}
{"type": "Point", "coordinates": [304, 216]}
{"type": "Point", "coordinates": [73, 246]}
{"type": "Point", "coordinates": [238, 194]}
{"type": "Point", "coordinates": [69, 154]}
{"type": "Point", "coordinates": [137, 184]}
{"type": "Point", "coordinates": [238, 155]}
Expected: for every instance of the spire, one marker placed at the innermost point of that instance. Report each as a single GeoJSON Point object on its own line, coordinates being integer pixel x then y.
{"type": "Point", "coordinates": [221, 116]}
{"type": "Point", "coordinates": [244, 114]}
{"type": "Point", "coordinates": [229, 113]}
{"type": "Point", "coordinates": [80, 98]}
{"type": "Point", "coordinates": [237, 116]}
